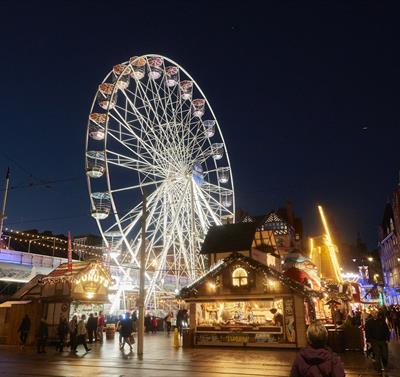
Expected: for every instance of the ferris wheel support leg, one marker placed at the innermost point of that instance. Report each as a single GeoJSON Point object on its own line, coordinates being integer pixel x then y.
{"type": "Point", "coordinates": [166, 246]}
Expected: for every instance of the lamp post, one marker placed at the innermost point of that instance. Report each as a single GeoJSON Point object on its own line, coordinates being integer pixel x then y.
{"type": "Point", "coordinates": [141, 279]}
{"type": "Point", "coordinates": [29, 243]}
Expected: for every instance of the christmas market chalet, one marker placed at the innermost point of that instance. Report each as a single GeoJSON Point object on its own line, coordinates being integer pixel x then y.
{"type": "Point", "coordinates": [80, 288]}
{"type": "Point", "coordinates": [241, 301]}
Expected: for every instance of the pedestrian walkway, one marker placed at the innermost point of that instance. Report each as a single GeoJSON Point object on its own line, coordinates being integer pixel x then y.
{"type": "Point", "coordinates": [162, 359]}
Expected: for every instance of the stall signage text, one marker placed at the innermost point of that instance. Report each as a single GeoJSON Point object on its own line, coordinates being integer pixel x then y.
{"type": "Point", "coordinates": [93, 276]}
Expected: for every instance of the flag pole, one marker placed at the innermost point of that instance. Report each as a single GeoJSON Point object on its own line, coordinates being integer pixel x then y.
{"type": "Point", "coordinates": [3, 207]}
{"type": "Point", "coordinates": [69, 252]}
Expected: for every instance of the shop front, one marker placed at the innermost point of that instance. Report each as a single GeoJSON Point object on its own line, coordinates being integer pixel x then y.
{"type": "Point", "coordinates": [242, 302]}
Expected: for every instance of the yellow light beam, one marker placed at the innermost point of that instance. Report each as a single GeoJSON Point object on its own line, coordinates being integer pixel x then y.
{"type": "Point", "coordinates": [331, 247]}
{"type": "Point", "coordinates": [325, 224]}
{"type": "Point", "coordinates": [311, 247]}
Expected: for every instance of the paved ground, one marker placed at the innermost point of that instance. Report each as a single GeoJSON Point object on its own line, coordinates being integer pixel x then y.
{"type": "Point", "coordinates": [162, 359]}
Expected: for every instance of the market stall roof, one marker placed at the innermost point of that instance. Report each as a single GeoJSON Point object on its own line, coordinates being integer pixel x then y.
{"type": "Point", "coordinates": [27, 288]}
{"type": "Point", "coordinates": [252, 264]}
{"type": "Point", "coordinates": [61, 273]}
{"type": "Point", "coordinates": [229, 238]}
{"type": "Point", "coordinates": [8, 304]}
{"type": "Point", "coordinates": [62, 269]}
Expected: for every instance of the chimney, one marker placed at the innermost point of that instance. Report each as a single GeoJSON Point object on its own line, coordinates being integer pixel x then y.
{"type": "Point", "coordinates": [289, 211]}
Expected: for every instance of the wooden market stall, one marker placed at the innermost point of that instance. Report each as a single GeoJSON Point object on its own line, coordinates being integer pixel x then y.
{"type": "Point", "coordinates": [63, 292]}
{"type": "Point", "coordinates": [241, 301]}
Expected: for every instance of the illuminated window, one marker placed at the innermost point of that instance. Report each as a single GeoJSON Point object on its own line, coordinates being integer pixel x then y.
{"type": "Point", "coordinates": [239, 277]}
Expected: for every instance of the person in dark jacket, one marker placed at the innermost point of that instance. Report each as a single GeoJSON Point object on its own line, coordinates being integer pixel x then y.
{"type": "Point", "coordinates": [91, 327]}
{"type": "Point", "coordinates": [73, 333]}
{"type": "Point", "coordinates": [147, 322]}
{"type": "Point", "coordinates": [126, 331]}
{"type": "Point", "coordinates": [62, 332]}
{"type": "Point", "coordinates": [43, 334]}
{"type": "Point", "coordinates": [23, 330]}
{"type": "Point", "coordinates": [378, 335]}
{"type": "Point", "coordinates": [317, 360]}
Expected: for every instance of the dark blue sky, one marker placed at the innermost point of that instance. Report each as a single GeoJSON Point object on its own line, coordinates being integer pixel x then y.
{"type": "Point", "coordinates": [292, 86]}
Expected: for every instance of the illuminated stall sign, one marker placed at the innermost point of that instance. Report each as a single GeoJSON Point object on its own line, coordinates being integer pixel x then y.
{"type": "Point", "coordinates": [93, 276]}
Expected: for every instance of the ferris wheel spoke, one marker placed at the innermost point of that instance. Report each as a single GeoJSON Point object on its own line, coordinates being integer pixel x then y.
{"type": "Point", "coordinates": [169, 240]}
{"type": "Point", "coordinates": [205, 223]}
{"type": "Point", "coordinates": [136, 186]}
{"type": "Point", "coordinates": [166, 142]}
{"type": "Point", "coordinates": [217, 204]}
{"type": "Point", "coordinates": [168, 113]}
{"type": "Point", "coordinates": [137, 163]}
{"type": "Point", "coordinates": [149, 148]}
{"type": "Point", "coordinates": [163, 143]}
{"type": "Point", "coordinates": [201, 195]}
{"type": "Point", "coordinates": [216, 189]}
{"type": "Point", "coordinates": [137, 212]}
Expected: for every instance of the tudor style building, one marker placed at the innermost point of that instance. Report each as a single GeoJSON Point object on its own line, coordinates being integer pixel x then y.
{"type": "Point", "coordinates": [281, 228]}
{"type": "Point", "coordinates": [389, 248]}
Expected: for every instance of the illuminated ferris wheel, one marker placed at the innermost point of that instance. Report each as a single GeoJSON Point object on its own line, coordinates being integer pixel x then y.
{"type": "Point", "coordinates": [151, 129]}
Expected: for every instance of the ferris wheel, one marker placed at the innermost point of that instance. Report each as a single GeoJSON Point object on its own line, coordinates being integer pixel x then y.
{"type": "Point", "coordinates": [152, 130]}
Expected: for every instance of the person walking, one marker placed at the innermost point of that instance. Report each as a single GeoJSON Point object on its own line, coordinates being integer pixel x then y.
{"type": "Point", "coordinates": [23, 330]}
{"type": "Point", "coordinates": [73, 333]}
{"type": "Point", "coordinates": [91, 327]}
{"type": "Point", "coordinates": [126, 331]}
{"type": "Point", "coordinates": [179, 321]}
{"type": "Point", "coordinates": [101, 321]}
{"type": "Point", "coordinates": [119, 326]}
{"type": "Point", "coordinates": [95, 322]}
{"type": "Point", "coordinates": [316, 359]}
{"type": "Point", "coordinates": [43, 334]}
{"type": "Point", "coordinates": [397, 323]}
{"type": "Point", "coordinates": [147, 322]}
{"type": "Point", "coordinates": [134, 321]}
{"type": "Point", "coordinates": [62, 332]}
{"type": "Point", "coordinates": [168, 320]}
{"type": "Point", "coordinates": [154, 324]}
{"type": "Point", "coordinates": [82, 333]}
{"type": "Point", "coordinates": [377, 334]}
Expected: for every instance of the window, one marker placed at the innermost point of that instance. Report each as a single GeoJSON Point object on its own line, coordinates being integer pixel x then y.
{"type": "Point", "coordinates": [239, 277]}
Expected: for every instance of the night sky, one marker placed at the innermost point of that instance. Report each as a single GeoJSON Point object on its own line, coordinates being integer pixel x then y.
{"type": "Point", "coordinates": [307, 97]}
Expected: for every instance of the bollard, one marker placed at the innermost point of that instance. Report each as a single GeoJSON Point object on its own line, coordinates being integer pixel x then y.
{"type": "Point", "coordinates": [176, 338]}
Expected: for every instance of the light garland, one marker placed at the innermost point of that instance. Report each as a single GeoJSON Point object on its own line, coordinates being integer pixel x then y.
{"type": "Point", "coordinates": [15, 238]}
{"type": "Point", "coordinates": [38, 236]}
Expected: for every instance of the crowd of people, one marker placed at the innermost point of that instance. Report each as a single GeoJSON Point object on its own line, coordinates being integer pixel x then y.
{"type": "Point", "coordinates": [82, 330]}
{"type": "Point", "coordinates": [378, 325]}
{"type": "Point", "coordinates": [78, 331]}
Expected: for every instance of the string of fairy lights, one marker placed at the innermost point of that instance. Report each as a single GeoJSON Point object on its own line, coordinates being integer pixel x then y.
{"type": "Point", "coordinates": [40, 240]}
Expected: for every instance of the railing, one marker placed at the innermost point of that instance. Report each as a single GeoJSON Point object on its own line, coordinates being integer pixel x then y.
{"type": "Point", "coordinates": [30, 259]}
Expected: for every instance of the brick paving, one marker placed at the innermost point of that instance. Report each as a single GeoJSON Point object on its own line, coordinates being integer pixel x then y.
{"type": "Point", "coordinates": [162, 359]}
